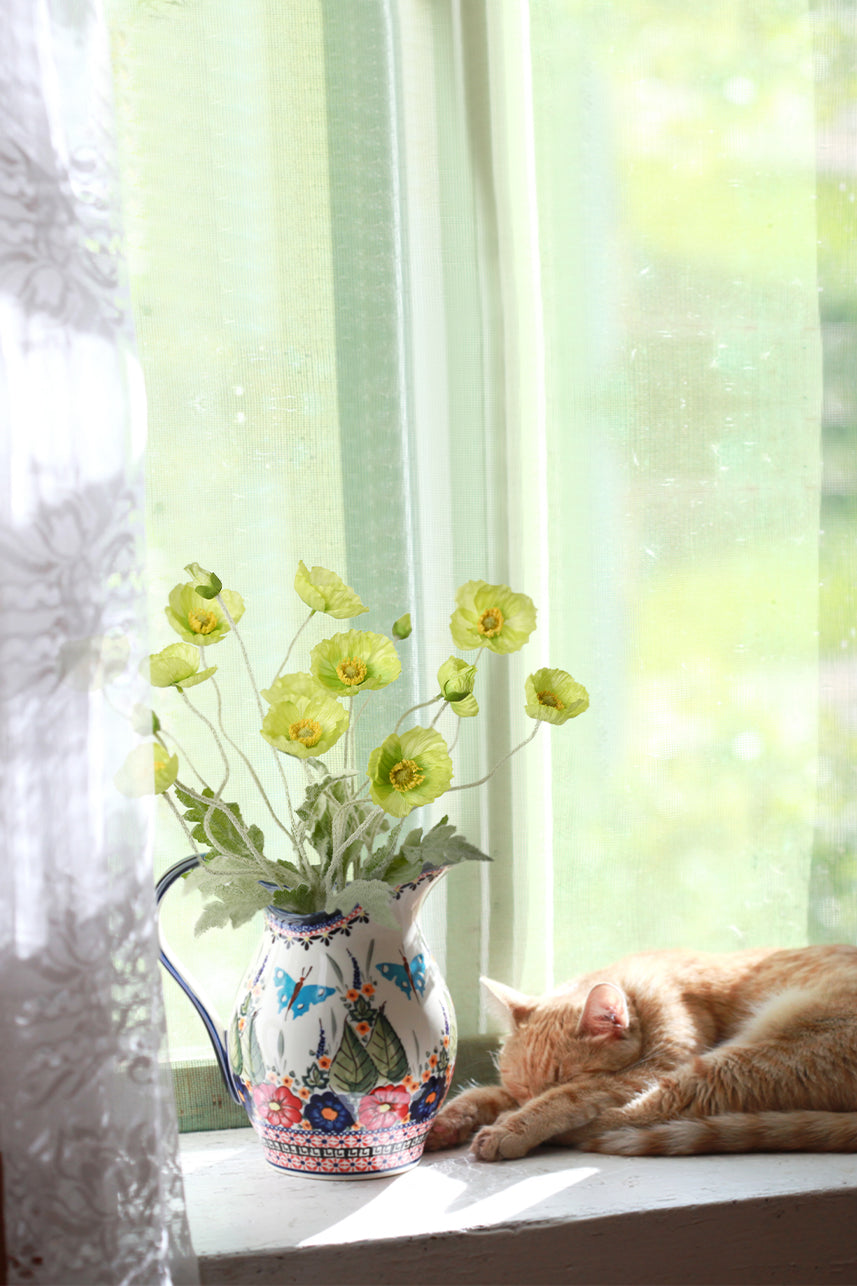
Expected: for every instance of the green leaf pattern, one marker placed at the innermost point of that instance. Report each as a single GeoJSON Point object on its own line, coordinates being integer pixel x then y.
{"type": "Point", "coordinates": [352, 1070]}
{"type": "Point", "coordinates": [386, 1050]}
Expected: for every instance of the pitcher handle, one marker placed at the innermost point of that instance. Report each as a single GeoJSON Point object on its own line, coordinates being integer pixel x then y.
{"type": "Point", "coordinates": [218, 1039]}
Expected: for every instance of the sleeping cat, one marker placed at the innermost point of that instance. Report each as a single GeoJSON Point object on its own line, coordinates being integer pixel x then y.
{"type": "Point", "coordinates": [671, 1052]}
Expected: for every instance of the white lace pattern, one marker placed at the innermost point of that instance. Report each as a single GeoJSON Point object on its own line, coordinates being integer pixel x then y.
{"type": "Point", "coordinates": [91, 1185]}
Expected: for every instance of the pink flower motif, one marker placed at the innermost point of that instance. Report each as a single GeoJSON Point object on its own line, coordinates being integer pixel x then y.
{"type": "Point", "coordinates": [384, 1107]}
{"type": "Point", "coordinates": [277, 1104]}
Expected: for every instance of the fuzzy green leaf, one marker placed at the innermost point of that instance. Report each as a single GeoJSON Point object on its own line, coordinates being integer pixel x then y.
{"type": "Point", "coordinates": [372, 895]}
{"type": "Point", "coordinates": [441, 846]}
{"type": "Point", "coordinates": [229, 900]}
{"type": "Point", "coordinates": [300, 900]}
{"type": "Point", "coordinates": [215, 824]}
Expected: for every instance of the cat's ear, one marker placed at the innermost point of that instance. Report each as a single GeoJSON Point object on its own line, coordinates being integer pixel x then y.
{"type": "Point", "coordinates": [605, 1012]}
{"type": "Point", "coordinates": [513, 1005]}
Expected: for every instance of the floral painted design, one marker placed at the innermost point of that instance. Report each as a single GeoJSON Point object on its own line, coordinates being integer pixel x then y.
{"type": "Point", "coordinates": [385, 1106]}
{"type": "Point", "coordinates": [328, 1113]}
{"type": "Point", "coordinates": [277, 1104]}
{"type": "Point", "coordinates": [429, 1099]}
{"type": "Point", "coordinates": [360, 1094]}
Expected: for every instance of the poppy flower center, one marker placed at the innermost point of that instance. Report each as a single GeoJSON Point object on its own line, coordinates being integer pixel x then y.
{"type": "Point", "coordinates": [548, 698]}
{"type": "Point", "coordinates": [306, 731]}
{"type": "Point", "coordinates": [490, 622]}
{"type": "Point", "coordinates": [329, 1113]}
{"type": "Point", "coordinates": [351, 670]}
{"type": "Point", "coordinates": [405, 775]}
{"type": "Point", "coordinates": [202, 622]}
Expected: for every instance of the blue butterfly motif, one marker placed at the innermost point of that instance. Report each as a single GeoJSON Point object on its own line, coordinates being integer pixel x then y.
{"type": "Point", "coordinates": [297, 997]}
{"type": "Point", "coordinates": [407, 977]}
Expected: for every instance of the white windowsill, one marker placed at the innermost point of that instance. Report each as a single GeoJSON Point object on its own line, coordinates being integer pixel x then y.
{"type": "Point", "coordinates": [556, 1216]}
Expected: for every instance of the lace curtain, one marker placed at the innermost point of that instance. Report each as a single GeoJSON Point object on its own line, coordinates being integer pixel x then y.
{"type": "Point", "coordinates": [91, 1186]}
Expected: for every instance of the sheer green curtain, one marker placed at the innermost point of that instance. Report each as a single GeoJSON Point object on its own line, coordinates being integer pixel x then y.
{"type": "Point", "coordinates": [529, 292]}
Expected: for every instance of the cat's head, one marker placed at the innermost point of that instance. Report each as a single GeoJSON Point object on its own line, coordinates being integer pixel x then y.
{"type": "Point", "coordinates": [555, 1038]}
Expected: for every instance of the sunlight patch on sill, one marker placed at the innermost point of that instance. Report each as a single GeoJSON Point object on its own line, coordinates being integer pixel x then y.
{"type": "Point", "coordinates": [437, 1195]}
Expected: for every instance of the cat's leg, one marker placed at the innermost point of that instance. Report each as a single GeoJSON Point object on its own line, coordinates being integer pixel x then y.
{"type": "Point", "coordinates": [566, 1113]}
{"type": "Point", "coordinates": [464, 1114]}
{"type": "Point", "coordinates": [562, 1110]}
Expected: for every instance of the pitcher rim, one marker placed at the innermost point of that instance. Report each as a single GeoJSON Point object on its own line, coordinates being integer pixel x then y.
{"type": "Point", "coordinates": [291, 921]}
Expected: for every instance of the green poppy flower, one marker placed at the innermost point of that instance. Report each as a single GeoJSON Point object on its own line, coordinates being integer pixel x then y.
{"type": "Point", "coordinates": [175, 666]}
{"type": "Point", "coordinates": [402, 628]}
{"type": "Point", "coordinates": [553, 695]}
{"type": "Point", "coordinates": [206, 584]}
{"type": "Point", "coordinates": [306, 725]}
{"type": "Point", "coordinates": [148, 770]}
{"type": "Point", "coordinates": [491, 616]}
{"type": "Point", "coordinates": [408, 771]}
{"type": "Point", "coordinates": [355, 661]}
{"type": "Point", "coordinates": [144, 721]}
{"type": "Point", "coordinates": [290, 686]}
{"type": "Point", "coordinates": [326, 592]}
{"type": "Point", "coordinates": [202, 620]}
{"type": "Point", "coordinates": [456, 678]}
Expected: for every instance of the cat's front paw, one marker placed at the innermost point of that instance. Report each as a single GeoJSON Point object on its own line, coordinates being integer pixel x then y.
{"type": "Point", "coordinates": [500, 1143]}
{"type": "Point", "coordinates": [450, 1128]}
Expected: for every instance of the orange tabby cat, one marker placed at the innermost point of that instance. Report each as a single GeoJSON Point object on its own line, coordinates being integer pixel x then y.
{"type": "Point", "coordinates": [671, 1052]}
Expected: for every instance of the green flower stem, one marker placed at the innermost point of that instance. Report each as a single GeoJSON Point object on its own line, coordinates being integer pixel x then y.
{"type": "Point", "coordinates": [247, 763]}
{"type": "Point", "coordinates": [215, 735]}
{"type": "Point", "coordinates": [348, 748]}
{"type": "Point", "coordinates": [359, 714]}
{"type": "Point", "coordinates": [349, 741]}
{"type": "Point", "coordinates": [419, 706]}
{"type": "Point", "coordinates": [439, 713]}
{"type": "Point", "coordinates": [296, 835]}
{"type": "Point", "coordinates": [180, 818]}
{"type": "Point", "coordinates": [499, 764]}
{"type": "Point", "coordinates": [339, 844]}
{"type": "Point", "coordinates": [452, 744]}
{"type": "Point", "coordinates": [291, 646]}
{"type": "Point", "coordinates": [248, 666]}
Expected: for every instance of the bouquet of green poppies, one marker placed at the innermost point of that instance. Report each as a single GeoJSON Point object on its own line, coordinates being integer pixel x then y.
{"type": "Point", "coordinates": [344, 838]}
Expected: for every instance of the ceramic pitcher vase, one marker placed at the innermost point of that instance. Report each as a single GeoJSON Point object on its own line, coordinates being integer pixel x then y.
{"type": "Point", "coordinates": [342, 1040]}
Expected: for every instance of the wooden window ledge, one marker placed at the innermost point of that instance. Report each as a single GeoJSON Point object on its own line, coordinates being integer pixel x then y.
{"type": "Point", "coordinates": [557, 1216]}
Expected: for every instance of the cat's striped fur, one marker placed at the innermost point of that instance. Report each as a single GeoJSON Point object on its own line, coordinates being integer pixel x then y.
{"type": "Point", "coordinates": [675, 1053]}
